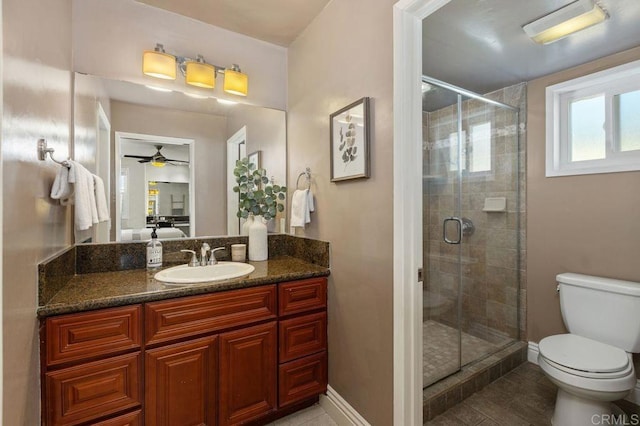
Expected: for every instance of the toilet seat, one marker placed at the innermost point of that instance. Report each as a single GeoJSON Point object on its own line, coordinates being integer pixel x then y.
{"type": "Point", "coordinates": [584, 357]}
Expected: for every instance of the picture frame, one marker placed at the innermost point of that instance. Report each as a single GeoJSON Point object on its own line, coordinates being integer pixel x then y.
{"type": "Point", "coordinates": [254, 158]}
{"type": "Point", "coordinates": [349, 142]}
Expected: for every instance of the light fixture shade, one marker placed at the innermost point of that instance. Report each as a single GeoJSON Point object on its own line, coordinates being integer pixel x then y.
{"type": "Point", "coordinates": [567, 20]}
{"type": "Point", "coordinates": [200, 74]}
{"type": "Point", "coordinates": [235, 82]}
{"type": "Point", "coordinates": [158, 163]}
{"type": "Point", "coordinates": [159, 65]}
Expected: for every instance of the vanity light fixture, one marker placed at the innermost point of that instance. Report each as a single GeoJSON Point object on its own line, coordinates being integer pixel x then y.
{"type": "Point", "coordinates": [156, 63]}
{"type": "Point", "coordinates": [567, 20]}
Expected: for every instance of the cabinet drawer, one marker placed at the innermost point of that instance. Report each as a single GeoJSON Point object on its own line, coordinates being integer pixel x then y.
{"type": "Point", "coordinates": [303, 378]}
{"type": "Point", "coordinates": [89, 391]}
{"type": "Point", "coordinates": [191, 316]}
{"type": "Point", "coordinates": [130, 419]}
{"type": "Point", "coordinates": [301, 296]}
{"type": "Point", "coordinates": [302, 336]}
{"type": "Point", "coordinates": [76, 337]}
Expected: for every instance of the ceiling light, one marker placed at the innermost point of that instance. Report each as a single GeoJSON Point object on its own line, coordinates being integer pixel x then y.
{"type": "Point", "coordinates": [158, 163]}
{"type": "Point", "coordinates": [567, 20]}
{"type": "Point", "coordinates": [235, 82]}
{"type": "Point", "coordinates": [199, 73]}
{"type": "Point", "coordinates": [156, 63]}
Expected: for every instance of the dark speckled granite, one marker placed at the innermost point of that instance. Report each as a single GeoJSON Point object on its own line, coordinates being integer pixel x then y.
{"type": "Point", "coordinates": [90, 276]}
{"type": "Point", "coordinates": [54, 273]}
{"type": "Point", "coordinates": [107, 289]}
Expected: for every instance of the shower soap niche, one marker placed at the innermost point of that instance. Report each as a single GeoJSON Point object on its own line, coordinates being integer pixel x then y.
{"type": "Point", "coordinates": [495, 204]}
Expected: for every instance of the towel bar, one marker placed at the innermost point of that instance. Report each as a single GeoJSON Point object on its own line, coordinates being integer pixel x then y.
{"type": "Point", "coordinates": [307, 174]}
{"type": "Point", "coordinates": [43, 150]}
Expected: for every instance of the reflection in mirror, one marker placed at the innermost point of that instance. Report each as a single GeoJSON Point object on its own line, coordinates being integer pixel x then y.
{"type": "Point", "coordinates": [141, 119]}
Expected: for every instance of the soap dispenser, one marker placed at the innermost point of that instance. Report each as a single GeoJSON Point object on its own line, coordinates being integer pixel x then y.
{"type": "Point", "coordinates": [154, 251]}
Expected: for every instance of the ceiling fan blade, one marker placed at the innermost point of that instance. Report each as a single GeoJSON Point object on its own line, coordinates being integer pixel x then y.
{"type": "Point", "coordinates": [146, 160]}
{"type": "Point", "coordinates": [176, 161]}
{"type": "Point", "coordinates": [146, 157]}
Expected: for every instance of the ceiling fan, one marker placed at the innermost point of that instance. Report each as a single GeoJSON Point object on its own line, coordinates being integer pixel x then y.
{"type": "Point", "coordinates": [156, 159]}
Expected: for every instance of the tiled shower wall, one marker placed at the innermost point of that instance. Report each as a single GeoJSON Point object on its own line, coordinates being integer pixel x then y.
{"type": "Point", "coordinates": [493, 287]}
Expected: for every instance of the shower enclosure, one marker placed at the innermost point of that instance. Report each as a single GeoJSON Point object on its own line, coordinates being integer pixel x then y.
{"type": "Point", "coordinates": [471, 224]}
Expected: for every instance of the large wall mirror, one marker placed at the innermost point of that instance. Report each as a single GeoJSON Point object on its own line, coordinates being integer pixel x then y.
{"type": "Point", "coordinates": [168, 158]}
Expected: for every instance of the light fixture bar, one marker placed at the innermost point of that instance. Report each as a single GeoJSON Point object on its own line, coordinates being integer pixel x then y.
{"type": "Point", "coordinates": [158, 64]}
{"type": "Point", "coordinates": [567, 20]}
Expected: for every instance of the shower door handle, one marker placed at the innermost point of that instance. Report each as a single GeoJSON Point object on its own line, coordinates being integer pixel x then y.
{"type": "Point", "coordinates": [458, 221]}
{"type": "Point", "coordinates": [465, 227]}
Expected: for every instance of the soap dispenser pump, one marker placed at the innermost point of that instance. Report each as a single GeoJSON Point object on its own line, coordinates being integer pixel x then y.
{"type": "Point", "coordinates": [154, 251]}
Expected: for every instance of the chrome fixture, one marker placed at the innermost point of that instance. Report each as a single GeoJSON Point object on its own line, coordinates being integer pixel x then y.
{"type": "Point", "coordinates": [212, 259]}
{"type": "Point", "coordinates": [194, 258]}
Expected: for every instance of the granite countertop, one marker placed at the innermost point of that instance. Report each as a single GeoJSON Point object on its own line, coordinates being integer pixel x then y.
{"type": "Point", "coordinates": [109, 289]}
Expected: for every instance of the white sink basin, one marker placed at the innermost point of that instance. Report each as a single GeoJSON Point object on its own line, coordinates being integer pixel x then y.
{"type": "Point", "coordinates": [184, 274]}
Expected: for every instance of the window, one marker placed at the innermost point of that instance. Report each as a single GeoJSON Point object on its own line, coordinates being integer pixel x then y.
{"type": "Point", "coordinates": [476, 150]}
{"type": "Point", "coordinates": [593, 123]}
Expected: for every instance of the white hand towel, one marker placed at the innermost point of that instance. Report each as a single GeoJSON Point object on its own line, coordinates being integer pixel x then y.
{"type": "Point", "coordinates": [86, 213]}
{"type": "Point", "coordinates": [299, 207]}
{"type": "Point", "coordinates": [61, 189]}
{"type": "Point", "coordinates": [101, 199]}
{"type": "Point", "coordinates": [311, 207]}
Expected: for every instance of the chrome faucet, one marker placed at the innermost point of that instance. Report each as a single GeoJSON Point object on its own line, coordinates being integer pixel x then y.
{"type": "Point", "coordinates": [194, 259]}
{"type": "Point", "coordinates": [203, 254]}
{"type": "Point", "coordinates": [212, 259]}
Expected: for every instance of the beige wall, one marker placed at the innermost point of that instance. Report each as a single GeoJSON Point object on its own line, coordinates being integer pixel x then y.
{"type": "Point", "coordinates": [37, 103]}
{"type": "Point", "coordinates": [345, 54]}
{"type": "Point", "coordinates": [586, 224]}
{"type": "Point", "coordinates": [209, 133]}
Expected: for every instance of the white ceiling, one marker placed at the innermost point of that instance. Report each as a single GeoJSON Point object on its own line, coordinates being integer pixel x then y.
{"type": "Point", "coordinates": [480, 45]}
{"type": "Point", "coordinates": [276, 21]}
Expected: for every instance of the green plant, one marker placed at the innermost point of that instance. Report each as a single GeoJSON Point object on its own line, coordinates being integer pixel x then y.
{"type": "Point", "coordinates": [257, 195]}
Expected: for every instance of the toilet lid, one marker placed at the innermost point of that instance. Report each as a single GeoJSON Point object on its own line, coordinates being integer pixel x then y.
{"type": "Point", "coordinates": [579, 353]}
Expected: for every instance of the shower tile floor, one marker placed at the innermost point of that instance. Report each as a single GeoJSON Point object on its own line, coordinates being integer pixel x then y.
{"type": "Point", "coordinates": [440, 355]}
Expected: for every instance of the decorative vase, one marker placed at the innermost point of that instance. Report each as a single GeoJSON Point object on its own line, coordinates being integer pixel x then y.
{"type": "Point", "coordinates": [258, 246]}
{"type": "Point", "coordinates": [246, 225]}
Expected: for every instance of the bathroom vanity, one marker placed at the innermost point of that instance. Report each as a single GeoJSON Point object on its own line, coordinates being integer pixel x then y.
{"type": "Point", "coordinates": [239, 352]}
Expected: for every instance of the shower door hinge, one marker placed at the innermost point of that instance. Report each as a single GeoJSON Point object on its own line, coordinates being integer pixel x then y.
{"type": "Point", "coordinates": [419, 275]}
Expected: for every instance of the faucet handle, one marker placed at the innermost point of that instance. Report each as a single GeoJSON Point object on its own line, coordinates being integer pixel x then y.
{"type": "Point", "coordinates": [212, 259]}
{"type": "Point", "coordinates": [194, 259]}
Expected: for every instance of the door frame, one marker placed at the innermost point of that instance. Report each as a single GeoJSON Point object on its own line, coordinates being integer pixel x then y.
{"type": "Point", "coordinates": [236, 150]}
{"type": "Point", "coordinates": [407, 210]}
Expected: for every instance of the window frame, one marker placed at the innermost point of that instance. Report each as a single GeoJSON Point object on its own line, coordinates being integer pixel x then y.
{"type": "Point", "coordinates": [610, 82]}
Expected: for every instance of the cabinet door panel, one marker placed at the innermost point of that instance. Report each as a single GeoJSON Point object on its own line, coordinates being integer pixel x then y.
{"type": "Point", "coordinates": [301, 296]}
{"type": "Point", "coordinates": [302, 336]}
{"type": "Point", "coordinates": [76, 337]}
{"type": "Point", "coordinates": [181, 384]}
{"type": "Point", "coordinates": [93, 390]}
{"type": "Point", "coordinates": [302, 378]}
{"type": "Point", "coordinates": [192, 316]}
{"type": "Point", "coordinates": [248, 365]}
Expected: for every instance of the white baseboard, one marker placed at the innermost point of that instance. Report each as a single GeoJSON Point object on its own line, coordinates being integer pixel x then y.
{"type": "Point", "coordinates": [339, 409]}
{"type": "Point", "coordinates": [532, 356]}
{"type": "Point", "coordinates": [532, 353]}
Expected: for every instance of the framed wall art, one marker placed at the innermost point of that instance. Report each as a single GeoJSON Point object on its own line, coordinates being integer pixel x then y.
{"type": "Point", "coordinates": [349, 128]}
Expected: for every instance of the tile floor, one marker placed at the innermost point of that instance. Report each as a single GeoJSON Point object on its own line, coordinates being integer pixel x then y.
{"type": "Point", "coordinates": [312, 416]}
{"type": "Point", "coordinates": [522, 397]}
{"type": "Point", "coordinates": [441, 355]}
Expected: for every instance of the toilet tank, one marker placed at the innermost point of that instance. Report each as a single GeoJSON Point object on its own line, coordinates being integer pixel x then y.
{"type": "Point", "coordinates": [601, 309]}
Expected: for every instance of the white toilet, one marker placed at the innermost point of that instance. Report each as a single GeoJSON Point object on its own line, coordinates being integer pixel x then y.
{"type": "Point", "coordinates": [592, 365]}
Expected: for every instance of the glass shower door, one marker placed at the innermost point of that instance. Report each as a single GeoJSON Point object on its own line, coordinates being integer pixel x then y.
{"type": "Point", "coordinates": [443, 232]}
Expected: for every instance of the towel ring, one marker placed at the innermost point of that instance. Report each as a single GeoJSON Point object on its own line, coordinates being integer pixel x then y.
{"type": "Point", "coordinates": [307, 174]}
{"type": "Point", "coordinates": [43, 150]}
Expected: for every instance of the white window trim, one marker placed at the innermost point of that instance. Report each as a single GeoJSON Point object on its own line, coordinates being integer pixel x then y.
{"type": "Point", "coordinates": [609, 82]}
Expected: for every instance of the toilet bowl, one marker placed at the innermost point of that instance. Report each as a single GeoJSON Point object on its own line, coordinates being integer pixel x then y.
{"type": "Point", "coordinates": [592, 365]}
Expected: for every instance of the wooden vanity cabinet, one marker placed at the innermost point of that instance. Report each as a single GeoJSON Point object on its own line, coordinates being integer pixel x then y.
{"type": "Point", "coordinates": [227, 358]}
